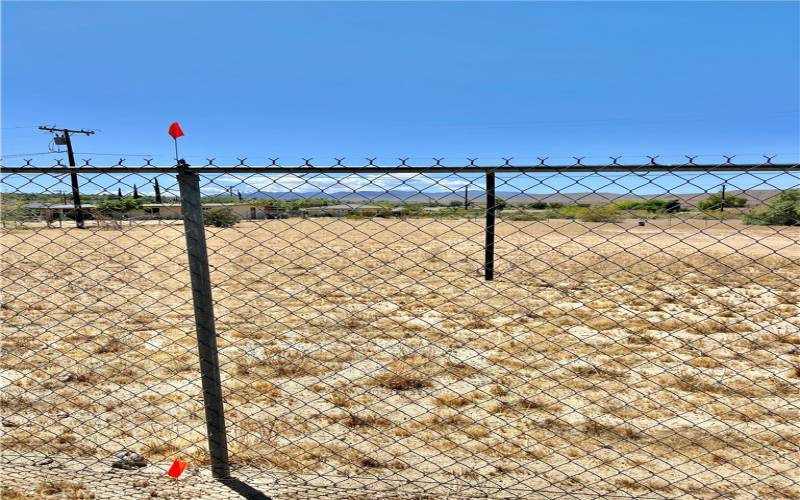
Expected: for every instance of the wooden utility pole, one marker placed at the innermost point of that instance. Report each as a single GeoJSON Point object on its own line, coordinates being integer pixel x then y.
{"type": "Point", "coordinates": [73, 177]}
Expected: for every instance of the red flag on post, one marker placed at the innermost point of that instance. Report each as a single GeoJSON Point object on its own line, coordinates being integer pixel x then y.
{"type": "Point", "coordinates": [175, 130]}
{"type": "Point", "coordinates": [178, 466]}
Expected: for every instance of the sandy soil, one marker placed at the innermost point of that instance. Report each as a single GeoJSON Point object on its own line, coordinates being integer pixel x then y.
{"type": "Point", "coordinates": [658, 361]}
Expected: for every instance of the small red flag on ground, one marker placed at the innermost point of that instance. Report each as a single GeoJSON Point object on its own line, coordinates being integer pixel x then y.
{"type": "Point", "coordinates": [178, 466]}
{"type": "Point", "coordinates": [175, 130]}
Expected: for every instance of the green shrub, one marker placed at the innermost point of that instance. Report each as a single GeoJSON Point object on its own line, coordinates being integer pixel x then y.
{"type": "Point", "coordinates": [522, 215]}
{"type": "Point", "coordinates": [220, 217]}
{"type": "Point", "coordinates": [715, 202]}
{"type": "Point", "coordinates": [569, 212]}
{"type": "Point", "coordinates": [783, 210]}
{"type": "Point", "coordinates": [653, 206]}
{"type": "Point", "coordinates": [117, 207]}
{"type": "Point", "coordinates": [599, 213]}
{"type": "Point", "coordinates": [715, 214]}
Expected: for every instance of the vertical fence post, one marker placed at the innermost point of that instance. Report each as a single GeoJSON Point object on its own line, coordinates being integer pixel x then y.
{"type": "Point", "coordinates": [189, 183]}
{"type": "Point", "coordinates": [488, 265]}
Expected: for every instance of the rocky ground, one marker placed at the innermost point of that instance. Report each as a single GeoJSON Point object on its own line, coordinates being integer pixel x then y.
{"type": "Point", "coordinates": [605, 359]}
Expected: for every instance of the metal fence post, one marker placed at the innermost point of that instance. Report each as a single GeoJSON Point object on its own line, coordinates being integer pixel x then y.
{"type": "Point", "coordinates": [189, 183]}
{"type": "Point", "coordinates": [488, 266]}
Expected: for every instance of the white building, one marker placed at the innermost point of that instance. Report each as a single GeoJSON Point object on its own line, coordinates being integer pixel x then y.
{"type": "Point", "coordinates": [345, 209]}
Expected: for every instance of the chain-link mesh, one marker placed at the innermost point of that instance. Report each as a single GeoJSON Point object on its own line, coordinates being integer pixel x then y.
{"type": "Point", "coordinates": [638, 336]}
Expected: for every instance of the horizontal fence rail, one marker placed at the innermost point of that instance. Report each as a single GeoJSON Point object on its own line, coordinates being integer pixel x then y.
{"type": "Point", "coordinates": [404, 169]}
{"type": "Point", "coordinates": [374, 331]}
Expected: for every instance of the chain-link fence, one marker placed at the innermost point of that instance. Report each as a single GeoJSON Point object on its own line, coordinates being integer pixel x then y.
{"type": "Point", "coordinates": [404, 331]}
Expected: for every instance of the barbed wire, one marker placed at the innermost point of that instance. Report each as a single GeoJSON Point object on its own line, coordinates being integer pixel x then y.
{"type": "Point", "coordinates": [511, 334]}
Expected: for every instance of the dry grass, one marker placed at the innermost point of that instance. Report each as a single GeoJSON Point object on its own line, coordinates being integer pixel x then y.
{"type": "Point", "coordinates": [374, 347]}
{"type": "Point", "coordinates": [51, 489]}
{"type": "Point", "coordinates": [405, 374]}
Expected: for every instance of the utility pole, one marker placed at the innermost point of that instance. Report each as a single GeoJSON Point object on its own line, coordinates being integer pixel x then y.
{"type": "Point", "coordinates": [73, 177]}
{"type": "Point", "coordinates": [466, 197]}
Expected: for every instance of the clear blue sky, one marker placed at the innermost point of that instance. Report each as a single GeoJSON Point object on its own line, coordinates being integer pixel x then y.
{"type": "Point", "coordinates": [403, 79]}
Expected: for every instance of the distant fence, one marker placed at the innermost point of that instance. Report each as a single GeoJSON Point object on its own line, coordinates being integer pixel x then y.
{"type": "Point", "coordinates": [628, 330]}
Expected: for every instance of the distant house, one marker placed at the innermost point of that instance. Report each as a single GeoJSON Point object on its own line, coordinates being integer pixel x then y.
{"type": "Point", "coordinates": [244, 210]}
{"type": "Point", "coordinates": [60, 211]}
{"type": "Point", "coordinates": [157, 210]}
{"type": "Point", "coordinates": [345, 209]}
{"type": "Point", "coordinates": [54, 211]}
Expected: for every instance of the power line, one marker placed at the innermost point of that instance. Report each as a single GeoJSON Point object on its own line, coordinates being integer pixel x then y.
{"type": "Point", "coordinates": [17, 155]}
{"type": "Point", "coordinates": [111, 154]}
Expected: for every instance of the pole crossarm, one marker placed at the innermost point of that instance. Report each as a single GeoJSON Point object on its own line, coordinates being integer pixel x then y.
{"type": "Point", "coordinates": [67, 130]}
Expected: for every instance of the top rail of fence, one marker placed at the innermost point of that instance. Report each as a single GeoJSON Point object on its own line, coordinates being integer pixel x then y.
{"type": "Point", "coordinates": [403, 168]}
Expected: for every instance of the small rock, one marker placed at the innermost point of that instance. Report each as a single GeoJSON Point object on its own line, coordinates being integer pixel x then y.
{"type": "Point", "coordinates": [43, 461]}
{"type": "Point", "coordinates": [62, 414]}
{"type": "Point", "coordinates": [9, 422]}
{"type": "Point", "coordinates": [128, 460]}
{"type": "Point", "coordinates": [141, 483]}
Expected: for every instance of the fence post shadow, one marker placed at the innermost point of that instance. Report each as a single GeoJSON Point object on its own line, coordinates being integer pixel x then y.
{"type": "Point", "coordinates": [243, 489]}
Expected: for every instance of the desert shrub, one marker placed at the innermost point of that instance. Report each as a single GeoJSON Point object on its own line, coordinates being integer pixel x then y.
{"type": "Point", "coordinates": [715, 202]}
{"type": "Point", "coordinates": [500, 204]}
{"type": "Point", "coordinates": [522, 215]}
{"type": "Point", "coordinates": [654, 205]}
{"type": "Point", "coordinates": [715, 214]}
{"type": "Point", "coordinates": [537, 205]}
{"type": "Point", "coordinates": [220, 217]}
{"type": "Point", "coordinates": [452, 213]}
{"type": "Point", "coordinates": [783, 210]}
{"type": "Point", "coordinates": [413, 209]}
{"type": "Point", "coordinates": [569, 212]}
{"type": "Point", "coordinates": [599, 213]}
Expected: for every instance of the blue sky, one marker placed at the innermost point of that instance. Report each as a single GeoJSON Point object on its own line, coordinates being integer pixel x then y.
{"type": "Point", "coordinates": [403, 79]}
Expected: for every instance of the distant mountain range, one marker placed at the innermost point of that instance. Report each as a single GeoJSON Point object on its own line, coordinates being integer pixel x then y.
{"type": "Point", "coordinates": [754, 197]}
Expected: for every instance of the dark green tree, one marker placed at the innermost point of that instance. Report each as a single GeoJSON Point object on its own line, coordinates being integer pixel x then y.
{"type": "Point", "coordinates": [135, 191]}
{"type": "Point", "coordinates": [157, 190]}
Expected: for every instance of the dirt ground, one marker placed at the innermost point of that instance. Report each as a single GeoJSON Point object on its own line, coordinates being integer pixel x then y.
{"type": "Point", "coordinates": [604, 359]}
